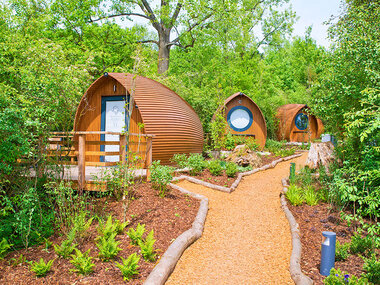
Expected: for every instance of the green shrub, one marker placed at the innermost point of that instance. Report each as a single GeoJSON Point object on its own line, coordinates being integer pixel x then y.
{"type": "Point", "coordinates": [284, 152]}
{"type": "Point", "coordinates": [67, 246]}
{"type": "Point", "coordinates": [214, 167]}
{"type": "Point", "coordinates": [361, 245]}
{"type": "Point", "coordinates": [196, 163]}
{"type": "Point", "coordinates": [273, 146]}
{"type": "Point", "coordinates": [372, 269]}
{"type": "Point", "coordinates": [129, 267]}
{"type": "Point", "coordinates": [110, 227]}
{"type": "Point", "coordinates": [231, 169]}
{"type": "Point", "coordinates": [294, 195]}
{"type": "Point", "coordinates": [4, 246]}
{"type": "Point", "coordinates": [342, 251]}
{"type": "Point", "coordinates": [82, 224]}
{"type": "Point", "coordinates": [41, 268]}
{"type": "Point", "coordinates": [337, 277]}
{"type": "Point", "coordinates": [82, 262]}
{"type": "Point", "coordinates": [180, 159]}
{"type": "Point", "coordinates": [108, 247]}
{"type": "Point", "coordinates": [147, 247]}
{"type": "Point", "coordinates": [161, 176]}
{"type": "Point", "coordinates": [136, 235]}
{"type": "Point", "coordinates": [310, 196]}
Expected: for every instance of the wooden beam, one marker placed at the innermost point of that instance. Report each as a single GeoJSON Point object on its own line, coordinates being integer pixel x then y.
{"type": "Point", "coordinates": [81, 163]}
{"type": "Point", "coordinates": [123, 150]}
{"type": "Point", "coordinates": [148, 160]}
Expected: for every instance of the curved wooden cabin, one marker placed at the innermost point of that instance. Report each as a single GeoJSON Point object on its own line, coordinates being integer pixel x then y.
{"type": "Point", "coordinates": [296, 124]}
{"type": "Point", "coordinates": [245, 118]}
{"type": "Point", "coordinates": [173, 122]}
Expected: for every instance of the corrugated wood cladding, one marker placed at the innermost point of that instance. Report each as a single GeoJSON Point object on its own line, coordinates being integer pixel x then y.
{"type": "Point", "coordinates": [258, 127]}
{"type": "Point", "coordinates": [287, 129]}
{"type": "Point", "coordinates": [166, 115]}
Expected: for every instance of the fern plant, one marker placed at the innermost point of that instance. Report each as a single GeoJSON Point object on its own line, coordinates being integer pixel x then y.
{"type": "Point", "coordinates": [41, 268]}
{"type": "Point", "coordinates": [82, 262]}
{"type": "Point", "coordinates": [311, 196]}
{"type": "Point", "coordinates": [67, 246]}
{"type": "Point", "coordinates": [129, 267]}
{"type": "Point", "coordinates": [4, 246]}
{"type": "Point", "coordinates": [110, 227]}
{"type": "Point", "coordinates": [147, 247]}
{"type": "Point", "coordinates": [294, 195]}
{"type": "Point", "coordinates": [108, 247]}
{"type": "Point", "coordinates": [136, 235]}
{"type": "Point", "coordinates": [82, 224]}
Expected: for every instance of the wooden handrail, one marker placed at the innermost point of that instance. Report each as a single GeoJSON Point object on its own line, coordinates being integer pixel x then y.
{"type": "Point", "coordinates": [100, 133]}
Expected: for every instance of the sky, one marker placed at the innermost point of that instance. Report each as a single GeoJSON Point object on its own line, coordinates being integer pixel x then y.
{"type": "Point", "coordinates": [314, 12]}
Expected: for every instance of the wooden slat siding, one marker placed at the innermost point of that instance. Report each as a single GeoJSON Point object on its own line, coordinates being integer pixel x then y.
{"type": "Point", "coordinates": [258, 127]}
{"type": "Point", "coordinates": [81, 162]}
{"type": "Point", "coordinates": [166, 115]}
{"type": "Point", "coordinates": [287, 129]}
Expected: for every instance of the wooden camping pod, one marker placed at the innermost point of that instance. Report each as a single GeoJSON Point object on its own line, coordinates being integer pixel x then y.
{"type": "Point", "coordinates": [173, 122]}
{"type": "Point", "coordinates": [245, 118]}
{"type": "Point", "coordinates": [296, 124]}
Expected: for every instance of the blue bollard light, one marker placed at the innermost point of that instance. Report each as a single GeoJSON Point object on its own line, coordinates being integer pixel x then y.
{"type": "Point", "coordinates": [328, 253]}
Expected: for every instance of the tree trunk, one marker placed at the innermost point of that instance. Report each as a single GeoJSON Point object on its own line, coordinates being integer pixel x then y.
{"type": "Point", "coordinates": [163, 51]}
{"type": "Point", "coordinates": [320, 154]}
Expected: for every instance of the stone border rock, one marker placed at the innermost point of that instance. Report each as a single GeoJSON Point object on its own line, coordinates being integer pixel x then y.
{"type": "Point", "coordinates": [169, 259]}
{"type": "Point", "coordinates": [295, 259]}
{"type": "Point", "coordinates": [238, 179]}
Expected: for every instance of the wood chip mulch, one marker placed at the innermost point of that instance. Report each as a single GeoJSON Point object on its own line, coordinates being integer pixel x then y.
{"type": "Point", "coordinates": [169, 217]}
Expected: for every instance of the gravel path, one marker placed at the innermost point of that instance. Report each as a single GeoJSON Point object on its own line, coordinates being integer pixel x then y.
{"type": "Point", "coordinates": [246, 238]}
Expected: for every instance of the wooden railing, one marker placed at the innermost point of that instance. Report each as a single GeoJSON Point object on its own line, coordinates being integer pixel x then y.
{"type": "Point", "coordinates": [87, 149]}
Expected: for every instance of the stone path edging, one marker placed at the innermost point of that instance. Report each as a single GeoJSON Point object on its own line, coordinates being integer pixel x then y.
{"type": "Point", "coordinates": [169, 259]}
{"type": "Point", "coordinates": [237, 180]}
{"type": "Point", "coordinates": [295, 259]}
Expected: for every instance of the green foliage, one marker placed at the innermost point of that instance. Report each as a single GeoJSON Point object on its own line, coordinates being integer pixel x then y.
{"type": "Point", "coordinates": [372, 269]}
{"type": "Point", "coordinates": [231, 169]}
{"type": "Point", "coordinates": [342, 251]}
{"type": "Point", "coordinates": [215, 167]}
{"type": "Point", "coordinates": [136, 235]}
{"type": "Point", "coordinates": [284, 152]}
{"type": "Point", "coordinates": [231, 141]}
{"type": "Point", "coordinates": [108, 247]}
{"type": "Point", "coordinates": [4, 246]}
{"type": "Point", "coordinates": [218, 128]}
{"type": "Point", "coordinates": [274, 146]}
{"type": "Point", "coordinates": [81, 225]}
{"type": "Point", "coordinates": [180, 159]}
{"type": "Point", "coordinates": [361, 245]}
{"type": "Point", "coordinates": [338, 277]}
{"type": "Point", "coordinates": [147, 247]}
{"type": "Point", "coordinates": [41, 268]}
{"type": "Point", "coordinates": [161, 176]}
{"type": "Point", "coordinates": [111, 227]}
{"type": "Point", "coordinates": [67, 246]}
{"type": "Point", "coordinates": [311, 196]}
{"type": "Point", "coordinates": [82, 262]}
{"type": "Point", "coordinates": [129, 267]}
{"type": "Point", "coordinates": [295, 195]}
{"type": "Point", "coordinates": [196, 163]}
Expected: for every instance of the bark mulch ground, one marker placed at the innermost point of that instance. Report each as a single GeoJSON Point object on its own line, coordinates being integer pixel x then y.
{"type": "Point", "coordinates": [169, 217]}
{"type": "Point", "coordinates": [313, 220]}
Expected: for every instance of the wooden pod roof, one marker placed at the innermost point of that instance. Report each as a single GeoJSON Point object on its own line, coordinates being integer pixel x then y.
{"type": "Point", "coordinates": [258, 128]}
{"type": "Point", "coordinates": [286, 115]}
{"type": "Point", "coordinates": [165, 114]}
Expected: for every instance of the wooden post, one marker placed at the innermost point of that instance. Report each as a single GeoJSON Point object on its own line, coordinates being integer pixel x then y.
{"type": "Point", "coordinates": [81, 163]}
{"type": "Point", "coordinates": [123, 149]}
{"type": "Point", "coordinates": [148, 159]}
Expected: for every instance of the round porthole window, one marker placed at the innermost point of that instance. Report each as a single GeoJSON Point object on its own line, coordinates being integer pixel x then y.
{"type": "Point", "coordinates": [301, 121]}
{"type": "Point", "coordinates": [240, 118]}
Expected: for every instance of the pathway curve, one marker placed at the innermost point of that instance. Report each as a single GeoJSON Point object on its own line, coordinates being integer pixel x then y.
{"type": "Point", "coordinates": [246, 239]}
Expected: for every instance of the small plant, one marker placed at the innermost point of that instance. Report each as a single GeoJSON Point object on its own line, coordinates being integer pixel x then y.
{"type": "Point", "coordinates": [41, 268]}
{"type": "Point", "coordinates": [361, 245]}
{"type": "Point", "coordinates": [311, 196]}
{"type": "Point", "coordinates": [47, 244]}
{"type": "Point", "coordinates": [337, 277]}
{"type": "Point", "coordinates": [67, 246]}
{"type": "Point", "coordinates": [231, 169]}
{"type": "Point", "coordinates": [372, 269]}
{"type": "Point", "coordinates": [161, 176]}
{"type": "Point", "coordinates": [82, 262]}
{"type": "Point", "coordinates": [147, 247]}
{"type": "Point", "coordinates": [129, 267]}
{"type": "Point", "coordinates": [4, 246]}
{"type": "Point", "coordinates": [342, 251]}
{"type": "Point", "coordinates": [136, 235]}
{"type": "Point", "coordinates": [294, 195]}
{"type": "Point", "coordinates": [180, 159]}
{"type": "Point", "coordinates": [284, 152]}
{"type": "Point", "coordinates": [17, 261]}
{"type": "Point", "coordinates": [81, 224]}
{"type": "Point", "coordinates": [108, 247]}
{"type": "Point", "coordinates": [214, 167]}
{"type": "Point", "coordinates": [196, 163]}
{"type": "Point", "coordinates": [110, 227]}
